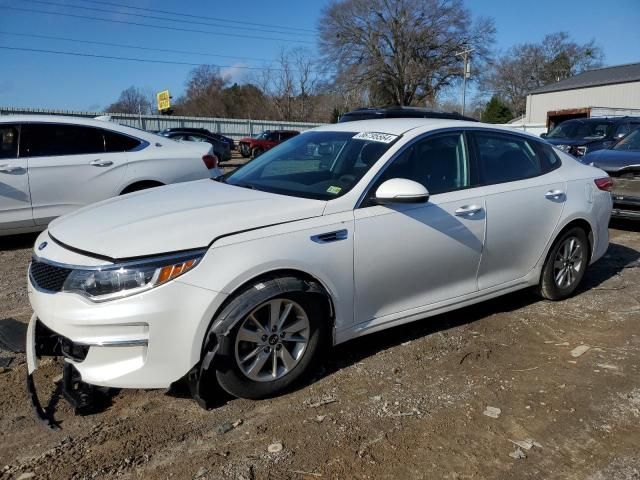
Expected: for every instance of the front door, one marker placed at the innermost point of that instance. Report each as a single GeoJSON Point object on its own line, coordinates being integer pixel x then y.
{"type": "Point", "coordinates": [409, 256]}
{"type": "Point", "coordinates": [15, 199]}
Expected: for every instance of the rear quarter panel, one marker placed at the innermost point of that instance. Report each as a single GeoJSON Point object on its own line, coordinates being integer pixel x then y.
{"type": "Point", "coordinates": [168, 164]}
{"type": "Point", "coordinates": [585, 201]}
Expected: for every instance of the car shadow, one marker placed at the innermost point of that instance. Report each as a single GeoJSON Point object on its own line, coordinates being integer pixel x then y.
{"type": "Point", "coordinates": [18, 242]}
{"type": "Point", "coordinates": [617, 258]}
{"type": "Point", "coordinates": [622, 224]}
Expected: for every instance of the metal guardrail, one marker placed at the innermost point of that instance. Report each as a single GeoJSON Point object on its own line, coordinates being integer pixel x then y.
{"type": "Point", "coordinates": [231, 127]}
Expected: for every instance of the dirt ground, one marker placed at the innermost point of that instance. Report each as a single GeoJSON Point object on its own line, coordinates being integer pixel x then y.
{"type": "Point", "coordinates": [406, 403]}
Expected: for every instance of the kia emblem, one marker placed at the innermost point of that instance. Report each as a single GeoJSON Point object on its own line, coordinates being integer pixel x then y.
{"type": "Point", "coordinates": [42, 245]}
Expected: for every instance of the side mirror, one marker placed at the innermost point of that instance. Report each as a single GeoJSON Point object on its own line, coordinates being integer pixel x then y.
{"type": "Point", "coordinates": [401, 190]}
{"type": "Point", "coordinates": [543, 135]}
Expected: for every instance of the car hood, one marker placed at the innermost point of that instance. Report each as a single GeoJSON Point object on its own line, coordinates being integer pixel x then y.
{"type": "Point", "coordinates": [612, 160]}
{"type": "Point", "coordinates": [175, 217]}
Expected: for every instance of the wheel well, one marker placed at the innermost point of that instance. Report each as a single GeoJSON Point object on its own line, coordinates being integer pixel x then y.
{"type": "Point", "coordinates": [141, 185]}
{"type": "Point", "coordinates": [286, 273]}
{"type": "Point", "coordinates": [320, 292]}
{"type": "Point", "coordinates": [584, 225]}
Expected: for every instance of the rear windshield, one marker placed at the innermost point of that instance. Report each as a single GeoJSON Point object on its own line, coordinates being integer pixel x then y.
{"type": "Point", "coordinates": [629, 143]}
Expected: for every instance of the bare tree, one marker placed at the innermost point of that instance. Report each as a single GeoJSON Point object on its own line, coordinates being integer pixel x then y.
{"type": "Point", "coordinates": [133, 100]}
{"type": "Point", "coordinates": [203, 94]}
{"type": "Point", "coordinates": [401, 51]}
{"type": "Point", "coordinates": [528, 66]}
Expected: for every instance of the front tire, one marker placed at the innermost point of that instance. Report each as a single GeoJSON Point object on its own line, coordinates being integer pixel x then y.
{"type": "Point", "coordinates": [273, 346]}
{"type": "Point", "coordinates": [565, 266]}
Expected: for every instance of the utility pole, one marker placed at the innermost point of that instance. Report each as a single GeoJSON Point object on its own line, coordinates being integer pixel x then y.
{"type": "Point", "coordinates": [466, 71]}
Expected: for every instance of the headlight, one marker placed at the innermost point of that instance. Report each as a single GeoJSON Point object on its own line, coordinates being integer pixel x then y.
{"type": "Point", "coordinates": [129, 278]}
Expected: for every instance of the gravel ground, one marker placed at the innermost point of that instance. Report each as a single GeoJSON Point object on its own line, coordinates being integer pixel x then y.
{"type": "Point", "coordinates": [512, 388]}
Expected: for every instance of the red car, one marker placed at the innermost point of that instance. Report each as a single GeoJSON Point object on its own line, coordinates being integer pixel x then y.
{"type": "Point", "coordinates": [254, 146]}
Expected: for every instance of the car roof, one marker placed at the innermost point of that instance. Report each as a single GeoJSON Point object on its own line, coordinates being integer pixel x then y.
{"type": "Point", "coordinates": [87, 122]}
{"type": "Point", "coordinates": [398, 111]}
{"type": "Point", "coordinates": [399, 126]}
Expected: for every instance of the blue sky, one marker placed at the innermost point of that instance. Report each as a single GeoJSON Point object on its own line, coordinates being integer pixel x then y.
{"type": "Point", "coordinates": [30, 79]}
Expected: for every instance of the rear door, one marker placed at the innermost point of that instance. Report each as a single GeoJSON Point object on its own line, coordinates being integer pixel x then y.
{"type": "Point", "coordinates": [15, 199]}
{"type": "Point", "coordinates": [525, 195]}
{"type": "Point", "coordinates": [69, 167]}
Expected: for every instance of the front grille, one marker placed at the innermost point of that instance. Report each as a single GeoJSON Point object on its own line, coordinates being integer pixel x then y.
{"type": "Point", "coordinates": [47, 276]}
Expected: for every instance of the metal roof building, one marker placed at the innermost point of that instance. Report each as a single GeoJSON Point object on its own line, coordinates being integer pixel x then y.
{"type": "Point", "coordinates": [602, 91]}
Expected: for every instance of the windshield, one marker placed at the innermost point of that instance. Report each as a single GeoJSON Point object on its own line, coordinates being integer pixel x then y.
{"type": "Point", "coordinates": [629, 143]}
{"type": "Point", "coordinates": [579, 129]}
{"type": "Point", "coordinates": [319, 165]}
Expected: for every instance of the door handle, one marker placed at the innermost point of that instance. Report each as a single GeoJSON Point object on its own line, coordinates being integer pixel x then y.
{"type": "Point", "coordinates": [467, 210]}
{"type": "Point", "coordinates": [554, 194]}
{"type": "Point", "coordinates": [9, 168]}
{"type": "Point", "coordinates": [101, 163]}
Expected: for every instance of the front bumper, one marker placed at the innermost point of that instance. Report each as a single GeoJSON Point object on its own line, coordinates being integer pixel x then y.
{"type": "Point", "coordinates": [148, 340]}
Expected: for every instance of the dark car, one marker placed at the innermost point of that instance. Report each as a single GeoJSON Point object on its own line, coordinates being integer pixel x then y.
{"type": "Point", "coordinates": [622, 163]}
{"type": "Point", "coordinates": [583, 135]}
{"type": "Point", "coordinates": [221, 149]}
{"type": "Point", "coordinates": [399, 112]}
{"type": "Point", "coordinates": [217, 136]}
{"type": "Point", "coordinates": [254, 146]}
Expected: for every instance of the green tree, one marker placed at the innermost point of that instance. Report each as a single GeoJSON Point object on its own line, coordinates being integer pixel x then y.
{"type": "Point", "coordinates": [496, 111]}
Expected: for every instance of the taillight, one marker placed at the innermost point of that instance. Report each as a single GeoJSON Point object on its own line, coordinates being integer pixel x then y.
{"type": "Point", "coordinates": [604, 183]}
{"type": "Point", "coordinates": [211, 161]}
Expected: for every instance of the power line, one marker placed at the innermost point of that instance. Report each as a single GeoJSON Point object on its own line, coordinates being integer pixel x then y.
{"type": "Point", "coordinates": [178, 29]}
{"type": "Point", "coordinates": [154, 17]}
{"type": "Point", "coordinates": [122, 45]}
{"type": "Point", "coordinates": [240, 22]}
{"type": "Point", "coordinates": [132, 59]}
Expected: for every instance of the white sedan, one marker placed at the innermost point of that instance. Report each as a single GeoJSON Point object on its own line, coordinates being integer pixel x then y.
{"type": "Point", "coordinates": [341, 231]}
{"type": "Point", "coordinates": [52, 165]}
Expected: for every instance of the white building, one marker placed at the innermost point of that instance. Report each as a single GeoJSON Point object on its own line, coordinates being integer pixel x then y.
{"type": "Point", "coordinates": [609, 91]}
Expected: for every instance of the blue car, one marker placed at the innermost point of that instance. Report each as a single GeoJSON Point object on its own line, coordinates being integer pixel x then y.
{"type": "Point", "coordinates": [622, 163]}
{"type": "Point", "coordinates": [583, 135]}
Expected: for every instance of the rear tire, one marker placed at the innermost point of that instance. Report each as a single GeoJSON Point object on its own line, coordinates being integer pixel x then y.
{"type": "Point", "coordinates": [268, 358]}
{"type": "Point", "coordinates": [565, 266]}
{"type": "Point", "coordinates": [244, 151]}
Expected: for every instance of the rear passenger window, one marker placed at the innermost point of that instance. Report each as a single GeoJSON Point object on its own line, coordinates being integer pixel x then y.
{"type": "Point", "coordinates": [116, 142]}
{"type": "Point", "coordinates": [548, 157]}
{"type": "Point", "coordinates": [50, 139]}
{"type": "Point", "coordinates": [506, 158]}
{"type": "Point", "coordinates": [8, 141]}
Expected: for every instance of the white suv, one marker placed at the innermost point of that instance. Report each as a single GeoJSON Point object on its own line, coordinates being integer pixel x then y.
{"type": "Point", "coordinates": [341, 231]}
{"type": "Point", "coordinates": [52, 165]}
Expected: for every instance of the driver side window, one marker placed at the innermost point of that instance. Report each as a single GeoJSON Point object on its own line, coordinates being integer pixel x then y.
{"type": "Point", "coordinates": [440, 163]}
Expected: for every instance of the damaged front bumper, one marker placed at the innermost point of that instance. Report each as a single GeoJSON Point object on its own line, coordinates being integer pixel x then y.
{"type": "Point", "coordinates": [42, 341]}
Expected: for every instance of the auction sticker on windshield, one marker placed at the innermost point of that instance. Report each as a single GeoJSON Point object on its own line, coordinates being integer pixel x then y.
{"type": "Point", "coordinates": [376, 137]}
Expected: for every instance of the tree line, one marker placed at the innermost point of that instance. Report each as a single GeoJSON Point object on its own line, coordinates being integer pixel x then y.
{"type": "Point", "coordinates": [382, 52]}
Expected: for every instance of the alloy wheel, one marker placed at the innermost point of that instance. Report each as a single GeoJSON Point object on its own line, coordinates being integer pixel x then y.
{"type": "Point", "coordinates": [272, 340]}
{"type": "Point", "coordinates": [568, 263]}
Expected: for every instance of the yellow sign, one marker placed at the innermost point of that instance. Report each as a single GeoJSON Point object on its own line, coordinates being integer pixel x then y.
{"type": "Point", "coordinates": [164, 100]}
